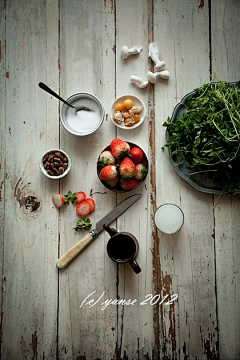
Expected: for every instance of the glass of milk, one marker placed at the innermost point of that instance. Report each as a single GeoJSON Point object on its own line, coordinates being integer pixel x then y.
{"type": "Point", "coordinates": [169, 218]}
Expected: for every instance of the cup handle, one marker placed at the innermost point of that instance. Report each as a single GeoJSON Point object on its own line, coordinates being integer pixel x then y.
{"type": "Point", "coordinates": [135, 266]}
{"type": "Point", "coordinates": [111, 231]}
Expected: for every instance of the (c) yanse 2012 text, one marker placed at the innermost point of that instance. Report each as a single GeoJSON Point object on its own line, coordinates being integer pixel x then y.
{"type": "Point", "coordinates": [149, 299]}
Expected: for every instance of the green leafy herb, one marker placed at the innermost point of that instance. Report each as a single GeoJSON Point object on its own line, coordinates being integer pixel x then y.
{"type": "Point", "coordinates": [83, 224]}
{"type": "Point", "coordinates": [208, 134]}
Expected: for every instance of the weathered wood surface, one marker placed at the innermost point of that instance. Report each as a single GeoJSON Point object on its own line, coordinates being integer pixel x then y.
{"type": "Point", "coordinates": [75, 46]}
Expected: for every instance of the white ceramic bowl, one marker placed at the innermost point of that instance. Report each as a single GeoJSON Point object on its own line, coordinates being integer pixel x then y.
{"type": "Point", "coordinates": [82, 122]}
{"type": "Point", "coordinates": [136, 102]}
{"type": "Point", "coordinates": [44, 170]}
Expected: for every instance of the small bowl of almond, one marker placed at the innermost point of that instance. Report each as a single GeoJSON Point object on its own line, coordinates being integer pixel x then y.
{"type": "Point", "coordinates": [55, 163]}
{"type": "Point", "coordinates": [128, 112]}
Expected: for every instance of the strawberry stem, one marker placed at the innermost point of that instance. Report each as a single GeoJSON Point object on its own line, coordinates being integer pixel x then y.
{"type": "Point", "coordinates": [83, 224]}
{"type": "Point", "coordinates": [70, 197]}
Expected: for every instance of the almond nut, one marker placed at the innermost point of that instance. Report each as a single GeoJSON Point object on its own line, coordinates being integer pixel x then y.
{"type": "Point", "coordinates": [58, 154]}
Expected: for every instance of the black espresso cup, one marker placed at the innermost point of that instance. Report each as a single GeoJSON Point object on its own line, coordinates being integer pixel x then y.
{"type": "Point", "coordinates": [122, 248]}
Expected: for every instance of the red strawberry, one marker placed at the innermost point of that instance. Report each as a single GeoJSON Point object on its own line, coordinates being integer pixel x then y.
{"type": "Point", "coordinates": [92, 204]}
{"type": "Point", "coordinates": [128, 185]}
{"type": "Point", "coordinates": [136, 154]}
{"type": "Point", "coordinates": [80, 196]}
{"type": "Point", "coordinates": [83, 208]}
{"type": "Point", "coordinates": [127, 169]}
{"type": "Point", "coordinates": [113, 183]}
{"type": "Point", "coordinates": [119, 148]}
{"type": "Point", "coordinates": [106, 158]}
{"type": "Point", "coordinates": [107, 173]}
{"type": "Point", "coordinates": [140, 171]}
{"type": "Point", "coordinates": [58, 200]}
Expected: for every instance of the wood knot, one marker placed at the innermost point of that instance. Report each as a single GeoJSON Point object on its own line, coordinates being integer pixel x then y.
{"type": "Point", "coordinates": [32, 203]}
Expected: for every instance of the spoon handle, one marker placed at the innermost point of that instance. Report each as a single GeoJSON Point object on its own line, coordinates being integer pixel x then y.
{"type": "Point", "coordinates": [50, 91]}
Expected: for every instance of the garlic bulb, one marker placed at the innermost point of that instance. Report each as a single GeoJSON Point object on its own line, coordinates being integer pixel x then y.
{"type": "Point", "coordinates": [126, 52]}
{"type": "Point", "coordinates": [140, 82]}
{"type": "Point", "coordinates": [153, 52]}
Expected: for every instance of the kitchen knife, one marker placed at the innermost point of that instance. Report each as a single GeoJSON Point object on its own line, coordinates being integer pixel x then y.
{"type": "Point", "coordinates": [107, 219]}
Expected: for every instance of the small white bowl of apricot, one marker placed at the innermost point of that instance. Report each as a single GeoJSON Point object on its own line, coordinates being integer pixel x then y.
{"type": "Point", "coordinates": [128, 112]}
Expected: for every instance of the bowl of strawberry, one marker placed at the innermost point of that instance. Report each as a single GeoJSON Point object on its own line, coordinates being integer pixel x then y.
{"type": "Point", "coordinates": [122, 166]}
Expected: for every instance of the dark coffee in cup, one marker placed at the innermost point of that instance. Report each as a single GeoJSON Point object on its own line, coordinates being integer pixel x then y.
{"type": "Point", "coordinates": [122, 247]}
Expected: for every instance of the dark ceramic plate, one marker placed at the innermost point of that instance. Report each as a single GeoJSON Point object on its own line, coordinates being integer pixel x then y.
{"type": "Point", "coordinates": [181, 165]}
{"type": "Point", "coordinates": [117, 188]}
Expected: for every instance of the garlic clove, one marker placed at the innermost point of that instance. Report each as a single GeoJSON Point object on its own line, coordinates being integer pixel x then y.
{"type": "Point", "coordinates": [126, 52]}
{"type": "Point", "coordinates": [140, 82]}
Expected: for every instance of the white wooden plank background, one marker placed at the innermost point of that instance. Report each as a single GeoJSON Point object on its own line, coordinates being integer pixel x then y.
{"type": "Point", "coordinates": [87, 65]}
{"type": "Point", "coordinates": [226, 65]}
{"type": "Point", "coordinates": [135, 323]}
{"type": "Point", "coordinates": [184, 257]}
{"type": "Point", "coordinates": [29, 309]}
{"type": "Point", "coordinates": [74, 46]}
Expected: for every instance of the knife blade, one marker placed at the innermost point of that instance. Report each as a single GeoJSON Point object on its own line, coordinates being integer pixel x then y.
{"type": "Point", "coordinates": [65, 259]}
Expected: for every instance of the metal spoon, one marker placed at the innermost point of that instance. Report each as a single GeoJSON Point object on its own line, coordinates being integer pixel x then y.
{"type": "Point", "coordinates": [50, 91]}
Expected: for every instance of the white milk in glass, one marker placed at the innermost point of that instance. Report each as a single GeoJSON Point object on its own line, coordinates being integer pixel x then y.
{"type": "Point", "coordinates": [168, 218]}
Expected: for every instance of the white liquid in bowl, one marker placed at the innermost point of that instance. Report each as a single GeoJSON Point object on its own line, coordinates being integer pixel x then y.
{"type": "Point", "coordinates": [169, 218]}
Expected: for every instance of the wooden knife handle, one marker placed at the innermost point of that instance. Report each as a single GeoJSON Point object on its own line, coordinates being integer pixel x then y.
{"type": "Point", "coordinates": [74, 251]}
